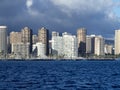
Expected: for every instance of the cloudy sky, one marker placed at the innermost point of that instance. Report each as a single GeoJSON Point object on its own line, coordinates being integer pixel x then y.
{"type": "Point", "coordinates": [97, 16]}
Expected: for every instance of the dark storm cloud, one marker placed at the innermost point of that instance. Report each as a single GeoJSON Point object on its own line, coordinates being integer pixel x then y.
{"type": "Point", "coordinates": [60, 15]}
{"type": "Point", "coordinates": [11, 9]}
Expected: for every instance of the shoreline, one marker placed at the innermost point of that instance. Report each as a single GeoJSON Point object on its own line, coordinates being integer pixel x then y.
{"type": "Point", "coordinates": [85, 59]}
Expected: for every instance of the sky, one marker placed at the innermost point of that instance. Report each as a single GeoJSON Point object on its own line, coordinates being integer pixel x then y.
{"type": "Point", "coordinates": [100, 17]}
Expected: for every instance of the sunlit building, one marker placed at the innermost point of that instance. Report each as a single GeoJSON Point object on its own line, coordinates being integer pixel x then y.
{"type": "Point", "coordinates": [117, 42]}
{"type": "Point", "coordinates": [57, 45]}
{"type": "Point", "coordinates": [43, 37]}
{"type": "Point", "coordinates": [26, 35]}
{"type": "Point", "coordinates": [70, 45]}
{"type": "Point", "coordinates": [99, 45]}
{"type": "Point", "coordinates": [81, 36]}
{"type": "Point", "coordinates": [90, 44]}
{"type": "Point", "coordinates": [108, 49]}
{"type": "Point", "coordinates": [15, 37]}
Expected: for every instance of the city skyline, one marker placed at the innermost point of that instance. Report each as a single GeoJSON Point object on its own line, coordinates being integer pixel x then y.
{"type": "Point", "coordinates": [62, 15]}
{"type": "Point", "coordinates": [29, 45]}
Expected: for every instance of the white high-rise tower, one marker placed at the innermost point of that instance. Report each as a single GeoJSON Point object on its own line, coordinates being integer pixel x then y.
{"type": "Point", "coordinates": [3, 39]}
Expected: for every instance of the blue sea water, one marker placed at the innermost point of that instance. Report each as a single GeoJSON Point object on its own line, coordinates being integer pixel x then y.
{"type": "Point", "coordinates": [59, 75]}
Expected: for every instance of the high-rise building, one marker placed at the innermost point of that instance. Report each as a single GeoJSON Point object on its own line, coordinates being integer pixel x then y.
{"type": "Point", "coordinates": [57, 45]}
{"type": "Point", "coordinates": [15, 37]}
{"type": "Point", "coordinates": [43, 37]}
{"type": "Point", "coordinates": [90, 44]}
{"type": "Point", "coordinates": [81, 36]}
{"type": "Point", "coordinates": [54, 33]}
{"type": "Point", "coordinates": [117, 42]}
{"type": "Point", "coordinates": [99, 45]}
{"type": "Point", "coordinates": [26, 35]}
{"type": "Point", "coordinates": [65, 46]}
{"type": "Point", "coordinates": [70, 45]}
{"type": "Point", "coordinates": [3, 39]}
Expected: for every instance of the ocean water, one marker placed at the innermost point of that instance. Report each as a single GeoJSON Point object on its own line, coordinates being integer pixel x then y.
{"type": "Point", "coordinates": [59, 75]}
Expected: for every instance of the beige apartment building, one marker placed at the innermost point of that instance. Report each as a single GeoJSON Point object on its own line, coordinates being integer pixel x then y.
{"type": "Point", "coordinates": [81, 36]}
{"type": "Point", "coordinates": [43, 37]}
{"type": "Point", "coordinates": [99, 45]}
{"type": "Point", "coordinates": [117, 42]}
{"type": "Point", "coordinates": [15, 37]}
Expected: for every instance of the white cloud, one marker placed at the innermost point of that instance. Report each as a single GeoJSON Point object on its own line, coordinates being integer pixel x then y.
{"type": "Point", "coordinates": [84, 6]}
{"type": "Point", "coordinates": [29, 4]}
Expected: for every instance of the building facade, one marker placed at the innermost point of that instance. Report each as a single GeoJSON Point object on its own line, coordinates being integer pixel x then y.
{"type": "Point", "coordinates": [99, 45]}
{"type": "Point", "coordinates": [108, 49]}
{"type": "Point", "coordinates": [22, 50]}
{"type": "Point", "coordinates": [15, 37]}
{"type": "Point", "coordinates": [43, 37]}
{"type": "Point", "coordinates": [41, 50]}
{"type": "Point", "coordinates": [81, 36]}
{"type": "Point", "coordinates": [3, 39]}
{"type": "Point", "coordinates": [70, 46]}
{"type": "Point", "coordinates": [26, 35]}
{"type": "Point", "coordinates": [117, 42]}
{"type": "Point", "coordinates": [54, 33]}
{"type": "Point", "coordinates": [34, 39]}
{"type": "Point", "coordinates": [90, 44]}
{"type": "Point", "coordinates": [57, 45]}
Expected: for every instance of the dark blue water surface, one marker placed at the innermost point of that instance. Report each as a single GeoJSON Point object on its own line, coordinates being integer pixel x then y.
{"type": "Point", "coordinates": [59, 75]}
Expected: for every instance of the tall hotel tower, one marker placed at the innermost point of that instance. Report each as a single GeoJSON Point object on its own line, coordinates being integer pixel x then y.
{"type": "Point", "coordinates": [43, 37]}
{"type": "Point", "coordinates": [26, 34]}
{"type": "Point", "coordinates": [81, 36]}
{"type": "Point", "coordinates": [3, 39]}
{"type": "Point", "coordinates": [117, 42]}
{"type": "Point", "coordinates": [99, 45]}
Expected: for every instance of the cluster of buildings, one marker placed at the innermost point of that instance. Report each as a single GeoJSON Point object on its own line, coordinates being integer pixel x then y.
{"type": "Point", "coordinates": [25, 44]}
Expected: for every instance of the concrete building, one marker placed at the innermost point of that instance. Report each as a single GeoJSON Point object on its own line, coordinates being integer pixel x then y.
{"type": "Point", "coordinates": [21, 49]}
{"type": "Point", "coordinates": [90, 44]}
{"type": "Point", "coordinates": [26, 35]}
{"type": "Point", "coordinates": [70, 45]}
{"type": "Point", "coordinates": [3, 39]}
{"type": "Point", "coordinates": [81, 36]}
{"type": "Point", "coordinates": [99, 45]}
{"type": "Point", "coordinates": [43, 37]}
{"type": "Point", "coordinates": [117, 42]}
{"type": "Point", "coordinates": [57, 45]}
{"type": "Point", "coordinates": [54, 33]}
